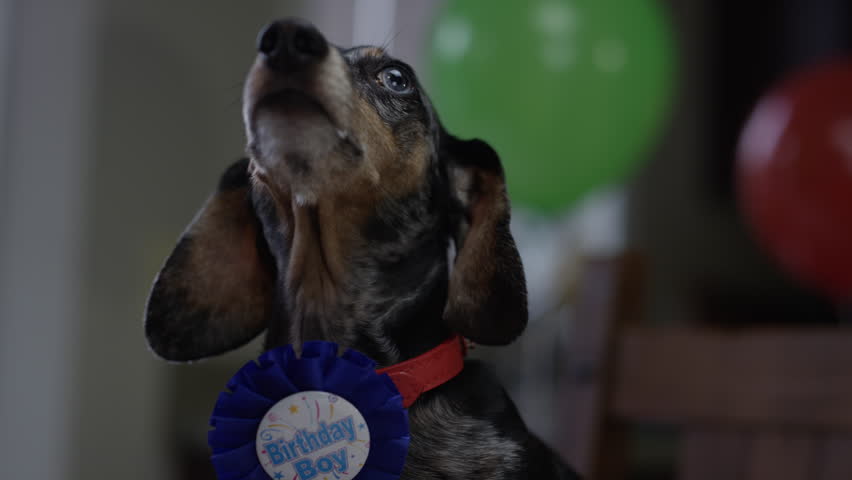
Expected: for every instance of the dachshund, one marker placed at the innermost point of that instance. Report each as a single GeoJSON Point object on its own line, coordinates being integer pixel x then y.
{"type": "Point", "coordinates": [358, 219]}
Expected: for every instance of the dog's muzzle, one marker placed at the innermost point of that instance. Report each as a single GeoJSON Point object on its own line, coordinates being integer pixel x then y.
{"type": "Point", "coordinates": [297, 108]}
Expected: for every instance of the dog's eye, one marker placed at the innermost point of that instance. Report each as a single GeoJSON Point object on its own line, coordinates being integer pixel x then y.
{"type": "Point", "coordinates": [395, 80]}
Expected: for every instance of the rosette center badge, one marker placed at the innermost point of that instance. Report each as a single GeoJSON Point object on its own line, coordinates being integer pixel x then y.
{"type": "Point", "coordinates": [313, 435]}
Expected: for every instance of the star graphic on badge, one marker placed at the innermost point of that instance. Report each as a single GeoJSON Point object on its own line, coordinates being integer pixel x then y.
{"type": "Point", "coordinates": [294, 409]}
{"type": "Point", "coordinates": [279, 475]}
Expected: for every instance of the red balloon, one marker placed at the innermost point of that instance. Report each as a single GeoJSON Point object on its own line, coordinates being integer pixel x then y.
{"type": "Point", "coordinates": [795, 176]}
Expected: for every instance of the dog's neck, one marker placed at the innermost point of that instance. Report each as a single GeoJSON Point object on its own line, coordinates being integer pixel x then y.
{"type": "Point", "coordinates": [372, 279]}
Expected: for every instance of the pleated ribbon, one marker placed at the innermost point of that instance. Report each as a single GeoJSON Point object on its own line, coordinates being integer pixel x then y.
{"type": "Point", "coordinates": [279, 373]}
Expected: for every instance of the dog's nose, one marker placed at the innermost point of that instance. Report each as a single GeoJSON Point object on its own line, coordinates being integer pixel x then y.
{"type": "Point", "coordinates": [290, 44]}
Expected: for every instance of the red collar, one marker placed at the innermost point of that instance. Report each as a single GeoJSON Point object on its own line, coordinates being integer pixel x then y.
{"type": "Point", "coordinates": [425, 372]}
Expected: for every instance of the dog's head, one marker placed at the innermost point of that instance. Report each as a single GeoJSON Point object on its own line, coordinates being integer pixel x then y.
{"type": "Point", "coordinates": [340, 220]}
{"type": "Point", "coordinates": [323, 122]}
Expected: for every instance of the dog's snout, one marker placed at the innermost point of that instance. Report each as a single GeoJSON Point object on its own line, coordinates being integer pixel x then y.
{"type": "Point", "coordinates": [291, 44]}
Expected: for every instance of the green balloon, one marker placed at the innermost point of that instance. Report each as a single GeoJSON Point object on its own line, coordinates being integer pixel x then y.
{"type": "Point", "coordinates": [569, 92]}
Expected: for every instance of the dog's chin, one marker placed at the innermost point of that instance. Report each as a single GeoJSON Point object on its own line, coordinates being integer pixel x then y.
{"type": "Point", "coordinates": [299, 147]}
{"type": "Point", "coordinates": [300, 153]}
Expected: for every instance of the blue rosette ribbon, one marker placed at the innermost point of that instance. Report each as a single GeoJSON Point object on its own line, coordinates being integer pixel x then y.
{"type": "Point", "coordinates": [280, 373]}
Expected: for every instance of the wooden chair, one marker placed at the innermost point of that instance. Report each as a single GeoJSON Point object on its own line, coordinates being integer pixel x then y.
{"type": "Point", "coordinates": [768, 403]}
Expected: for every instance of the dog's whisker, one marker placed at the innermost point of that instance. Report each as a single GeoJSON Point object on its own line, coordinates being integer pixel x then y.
{"type": "Point", "coordinates": [229, 90]}
{"type": "Point", "coordinates": [391, 39]}
{"type": "Point", "coordinates": [235, 102]}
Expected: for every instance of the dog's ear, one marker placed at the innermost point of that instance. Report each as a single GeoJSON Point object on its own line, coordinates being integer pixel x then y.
{"type": "Point", "coordinates": [215, 291]}
{"type": "Point", "coordinates": [487, 300]}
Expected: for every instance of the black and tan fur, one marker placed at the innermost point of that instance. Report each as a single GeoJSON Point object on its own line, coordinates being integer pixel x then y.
{"type": "Point", "coordinates": [338, 228]}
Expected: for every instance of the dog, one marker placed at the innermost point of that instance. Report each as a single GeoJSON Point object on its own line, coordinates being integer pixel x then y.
{"type": "Point", "coordinates": [358, 219]}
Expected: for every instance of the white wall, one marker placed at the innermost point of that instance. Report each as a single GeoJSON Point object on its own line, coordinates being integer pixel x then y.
{"type": "Point", "coordinates": [46, 128]}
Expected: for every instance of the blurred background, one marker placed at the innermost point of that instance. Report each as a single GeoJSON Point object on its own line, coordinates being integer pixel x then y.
{"type": "Point", "coordinates": [677, 167]}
